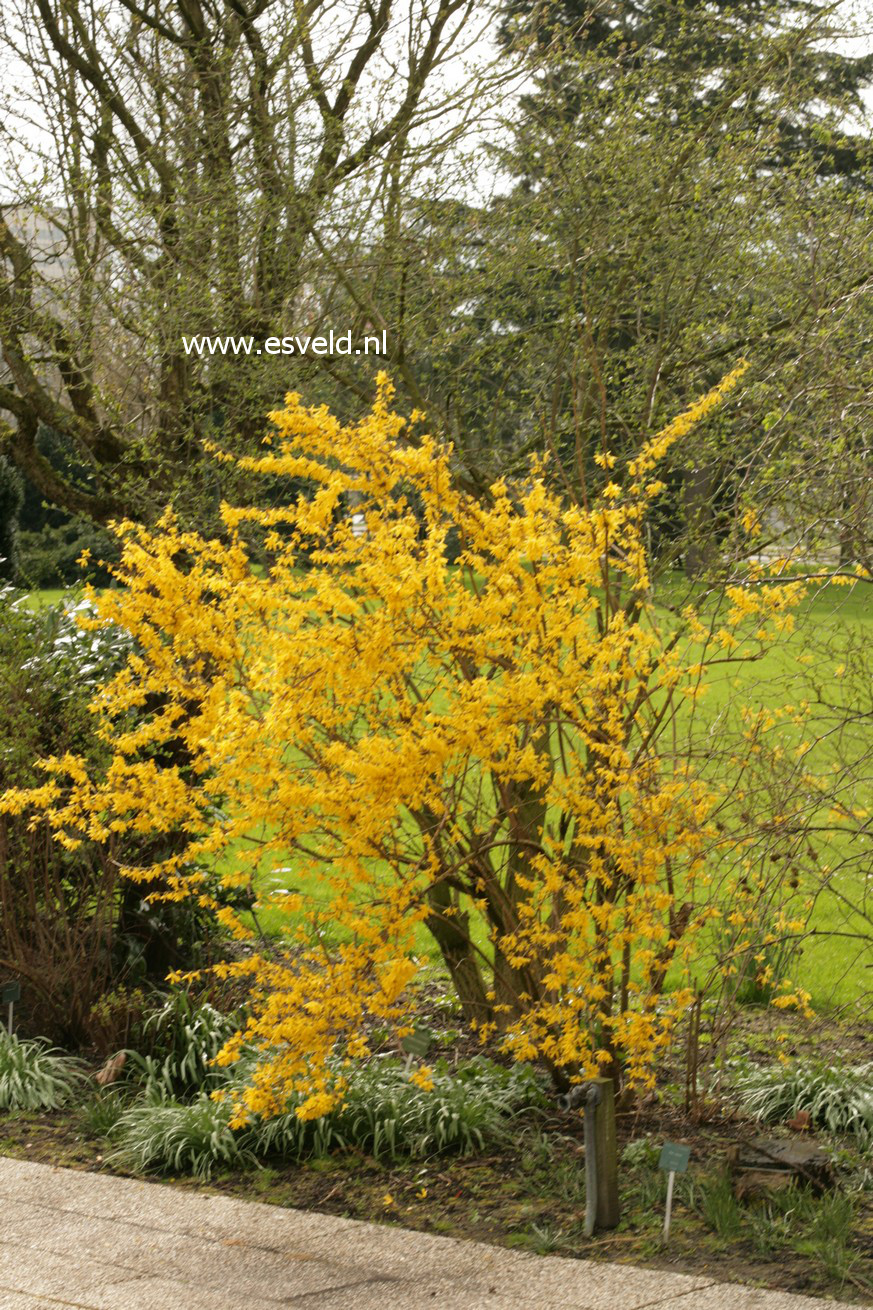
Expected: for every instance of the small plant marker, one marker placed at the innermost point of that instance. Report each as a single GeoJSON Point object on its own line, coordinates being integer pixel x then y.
{"type": "Point", "coordinates": [417, 1043]}
{"type": "Point", "coordinates": [674, 1160]}
{"type": "Point", "coordinates": [9, 994]}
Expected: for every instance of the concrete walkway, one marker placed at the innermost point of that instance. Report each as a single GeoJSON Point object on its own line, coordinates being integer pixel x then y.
{"type": "Point", "coordinates": [103, 1243]}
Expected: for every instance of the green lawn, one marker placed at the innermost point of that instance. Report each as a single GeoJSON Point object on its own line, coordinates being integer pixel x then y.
{"type": "Point", "coordinates": [39, 600]}
{"type": "Point", "coordinates": [830, 967]}
{"type": "Point", "coordinates": [834, 965]}
{"type": "Point", "coordinates": [835, 969]}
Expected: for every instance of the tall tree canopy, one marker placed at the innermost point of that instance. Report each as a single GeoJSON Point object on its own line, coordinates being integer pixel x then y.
{"type": "Point", "coordinates": [179, 167]}
{"type": "Point", "coordinates": [686, 183]}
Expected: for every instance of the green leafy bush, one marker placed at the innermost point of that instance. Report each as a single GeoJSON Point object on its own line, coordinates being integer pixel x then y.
{"type": "Point", "coordinates": [11, 497]}
{"type": "Point", "coordinates": [69, 924]}
{"type": "Point", "coordinates": [35, 1077]}
{"type": "Point", "coordinates": [296, 1139]}
{"type": "Point", "coordinates": [58, 908]}
{"type": "Point", "coordinates": [642, 1153]}
{"type": "Point", "coordinates": [838, 1099]}
{"type": "Point", "coordinates": [49, 556]}
{"type": "Point", "coordinates": [101, 1112]}
{"type": "Point", "coordinates": [385, 1114]}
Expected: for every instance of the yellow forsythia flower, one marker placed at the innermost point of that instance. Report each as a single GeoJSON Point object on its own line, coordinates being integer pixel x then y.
{"type": "Point", "coordinates": [427, 713]}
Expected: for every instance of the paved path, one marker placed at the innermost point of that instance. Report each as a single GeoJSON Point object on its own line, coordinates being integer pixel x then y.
{"type": "Point", "coordinates": [102, 1243]}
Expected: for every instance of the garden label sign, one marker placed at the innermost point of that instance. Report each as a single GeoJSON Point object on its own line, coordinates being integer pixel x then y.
{"type": "Point", "coordinates": [10, 992]}
{"type": "Point", "coordinates": [416, 1043]}
{"type": "Point", "coordinates": [674, 1160]}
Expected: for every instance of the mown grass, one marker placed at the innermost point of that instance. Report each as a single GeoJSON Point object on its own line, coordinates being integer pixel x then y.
{"type": "Point", "coordinates": [831, 619]}
{"type": "Point", "coordinates": [40, 600]}
{"type": "Point", "coordinates": [828, 618]}
{"type": "Point", "coordinates": [828, 965]}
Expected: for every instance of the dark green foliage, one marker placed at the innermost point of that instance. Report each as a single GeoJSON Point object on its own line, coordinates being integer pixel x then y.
{"type": "Point", "coordinates": [11, 498]}
{"type": "Point", "coordinates": [50, 557]}
{"type": "Point", "coordinates": [703, 52]}
{"type": "Point", "coordinates": [680, 170]}
{"type": "Point", "coordinates": [50, 540]}
{"type": "Point", "coordinates": [57, 907]}
{"type": "Point", "coordinates": [70, 928]}
{"type": "Point", "coordinates": [47, 668]}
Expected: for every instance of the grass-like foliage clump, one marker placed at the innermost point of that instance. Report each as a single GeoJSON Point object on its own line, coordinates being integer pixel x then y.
{"type": "Point", "coordinates": [839, 1100]}
{"type": "Point", "coordinates": [384, 1114]}
{"type": "Point", "coordinates": [158, 1136]}
{"type": "Point", "coordinates": [35, 1077]}
{"type": "Point", "coordinates": [186, 1039]}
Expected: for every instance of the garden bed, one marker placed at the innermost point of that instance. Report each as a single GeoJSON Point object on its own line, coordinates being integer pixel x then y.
{"type": "Point", "coordinates": [530, 1195]}
{"type": "Point", "coordinates": [526, 1190]}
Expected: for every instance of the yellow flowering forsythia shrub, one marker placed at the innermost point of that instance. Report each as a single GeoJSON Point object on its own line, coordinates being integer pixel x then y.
{"type": "Point", "coordinates": [466, 751]}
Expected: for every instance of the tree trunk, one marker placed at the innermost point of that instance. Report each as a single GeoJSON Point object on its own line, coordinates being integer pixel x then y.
{"type": "Point", "coordinates": [451, 932]}
{"type": "Point", "coordinates": [699, 519]}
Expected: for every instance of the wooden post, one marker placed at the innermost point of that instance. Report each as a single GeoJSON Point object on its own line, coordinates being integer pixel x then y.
{"type": "Point", "coordinates": [607, 1156]}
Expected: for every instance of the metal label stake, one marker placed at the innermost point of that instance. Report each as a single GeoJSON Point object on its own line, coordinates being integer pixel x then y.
{"type": "Point", "coordinates": [674, 1160]}
{"type": "Point", "coordinates": [10, 993]}
{"type": "Point", "coordinates": [416, 1043]}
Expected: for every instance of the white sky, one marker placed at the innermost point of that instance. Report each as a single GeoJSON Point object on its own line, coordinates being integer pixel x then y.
{"type": "Point", "coordinates": [475, 49]}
